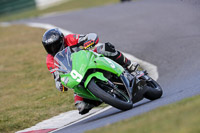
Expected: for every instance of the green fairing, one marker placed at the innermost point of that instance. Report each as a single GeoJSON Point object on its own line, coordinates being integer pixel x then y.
{"type": "Point", "coordinates": [81, 91]}
{"type": "Point", "coordinates": [98, 75]}
{"type": "Point", "coordinates": [82, 61]}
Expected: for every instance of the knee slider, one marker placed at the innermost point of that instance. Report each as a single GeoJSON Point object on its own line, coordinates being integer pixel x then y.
{"type": "Point", "coordinates": [109, 47]}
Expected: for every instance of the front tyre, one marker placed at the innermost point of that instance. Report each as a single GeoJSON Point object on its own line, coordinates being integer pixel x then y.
{"type": "Point", "coordinates": [109, 95]}
{"type": "Point", "coordinates": [154, 91]}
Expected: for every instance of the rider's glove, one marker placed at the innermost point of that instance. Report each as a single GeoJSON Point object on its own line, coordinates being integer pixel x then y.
{"type": "Point", "coordinates": [88, 44]}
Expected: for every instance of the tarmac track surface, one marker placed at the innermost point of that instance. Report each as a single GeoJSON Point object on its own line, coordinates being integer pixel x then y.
{"type": "Point", "coordinates": [165, 33]}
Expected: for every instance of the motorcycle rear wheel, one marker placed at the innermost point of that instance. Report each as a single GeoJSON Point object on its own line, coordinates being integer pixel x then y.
{"type": "Point", "coordinates": [113, 98]}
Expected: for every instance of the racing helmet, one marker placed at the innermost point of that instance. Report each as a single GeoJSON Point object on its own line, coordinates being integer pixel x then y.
{"type": "Point", "coordinates": [53, 41]}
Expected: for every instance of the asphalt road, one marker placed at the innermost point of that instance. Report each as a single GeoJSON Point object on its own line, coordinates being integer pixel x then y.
{"type": "Point", "coordinates": [165, 33]}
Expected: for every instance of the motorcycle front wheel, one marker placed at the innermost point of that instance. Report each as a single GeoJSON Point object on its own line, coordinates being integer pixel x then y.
{"type": "Point", "coordinates": [154, 90]}
{"type": "Point", "coordinates": [110, 95]}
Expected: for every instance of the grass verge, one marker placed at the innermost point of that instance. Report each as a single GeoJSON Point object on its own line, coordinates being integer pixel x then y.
{"type": "Point", "coordinates": [66, 6]}
{"type": "Point", "coordinates": [181, 117]}
{"type": "Point", "coordinates": [27, 90]}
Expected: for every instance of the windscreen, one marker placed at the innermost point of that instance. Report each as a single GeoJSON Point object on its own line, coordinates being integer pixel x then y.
{"type": "Point", "coordinates": [63, 60]}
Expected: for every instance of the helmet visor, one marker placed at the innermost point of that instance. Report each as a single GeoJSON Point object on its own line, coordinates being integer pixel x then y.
{"type": "Point", "coordinates": [54, 47]}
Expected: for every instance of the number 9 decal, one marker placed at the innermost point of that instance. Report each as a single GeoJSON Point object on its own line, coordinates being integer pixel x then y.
{"type": "Point", "coordinates": [76, 75]}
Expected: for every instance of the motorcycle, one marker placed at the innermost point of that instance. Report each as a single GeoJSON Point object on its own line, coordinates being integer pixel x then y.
{"type": "Point", "coordinates": [96, 77]}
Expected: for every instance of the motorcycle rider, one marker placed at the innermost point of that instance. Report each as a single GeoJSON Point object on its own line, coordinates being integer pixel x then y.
{"type": "Point", "coordinates": [54, 41]}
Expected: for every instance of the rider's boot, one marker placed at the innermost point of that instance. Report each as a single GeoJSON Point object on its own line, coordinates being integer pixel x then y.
{"type": "Point", "coordinates": [132, 66]}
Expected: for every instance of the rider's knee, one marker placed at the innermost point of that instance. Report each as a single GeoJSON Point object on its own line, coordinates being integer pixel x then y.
{"type": "Point", "coordinates": [107, 49]}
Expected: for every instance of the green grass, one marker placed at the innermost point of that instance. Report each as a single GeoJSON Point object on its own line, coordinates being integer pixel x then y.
{"type": "Point", "coordinates": [181, 117]}
{"type": "Point", "coordinates": [66, 6]}
{"type": "Point", "coordinates": [27, 90]}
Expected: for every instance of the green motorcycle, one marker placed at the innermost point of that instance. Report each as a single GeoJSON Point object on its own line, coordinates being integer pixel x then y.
{"type": "Point", "coordinates": [96, 77]}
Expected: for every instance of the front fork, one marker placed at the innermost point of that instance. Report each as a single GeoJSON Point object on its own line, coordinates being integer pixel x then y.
{"type": "Point", "coordinates": [135, 85]}
{"type": "Point", "coordinates": [129, 82]}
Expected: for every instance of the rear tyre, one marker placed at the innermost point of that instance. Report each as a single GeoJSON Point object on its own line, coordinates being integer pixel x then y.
{"type": "Point", "coordinates": [111, 96]}
{"type": "Point", "coordinates": [154, 91]}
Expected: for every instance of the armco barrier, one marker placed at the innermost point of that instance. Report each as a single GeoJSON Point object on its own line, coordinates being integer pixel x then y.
{"type": "Point", "coordinates": [13, 6]}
